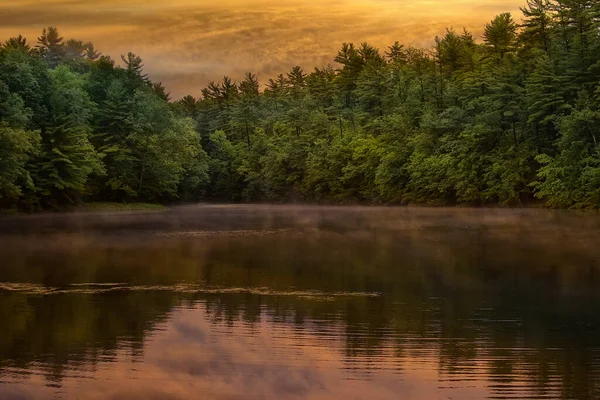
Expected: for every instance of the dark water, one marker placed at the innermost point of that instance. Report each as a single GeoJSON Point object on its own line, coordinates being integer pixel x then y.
{"type": "Point", "coordinates": [300, 302]}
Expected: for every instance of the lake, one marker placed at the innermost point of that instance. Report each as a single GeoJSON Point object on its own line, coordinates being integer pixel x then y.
{"type": "Point", "coordinates": [291, 302]}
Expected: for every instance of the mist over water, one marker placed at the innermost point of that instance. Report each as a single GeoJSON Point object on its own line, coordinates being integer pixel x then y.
{"type": "Point", "coordinates": [228, 302]}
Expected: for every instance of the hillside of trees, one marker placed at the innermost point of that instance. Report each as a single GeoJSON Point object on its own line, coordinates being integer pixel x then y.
{"type": "Point", "coordinates": [511, 119]}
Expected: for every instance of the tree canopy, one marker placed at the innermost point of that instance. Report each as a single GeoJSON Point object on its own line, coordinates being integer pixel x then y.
{"type": "Point", "coordinates": [511, 118]}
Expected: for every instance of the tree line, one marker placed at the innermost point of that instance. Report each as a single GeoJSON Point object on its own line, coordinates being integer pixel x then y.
{"type": "Point", "coordinates": [511, 119]}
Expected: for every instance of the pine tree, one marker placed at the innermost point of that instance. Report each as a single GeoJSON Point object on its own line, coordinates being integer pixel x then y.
{"type": "Point", "coordinates": [90, 52]}
{"type": "Point", "coordinates": [396, 54]}
{"type": "Point", "coordinates": [545, 102]}
{"type": "Point", "coordinates": [500, 34]}
{"type": "Point", "coordinates": [190, 105]}
{"type": "Point", "coordinates": [51, 46]}
{"type": "Point", "coordinates": [537, 25]}
{"type": "Point", "coordinates": [161, 91]}
{"type": "Point", "coordinates": [68, 158]}
{"type": "Point", "coordinates": [246, 111]}
{"type": "Point", "coordinates": [134, 68]}
{"type": "Point", "coordinates": [17, 43]}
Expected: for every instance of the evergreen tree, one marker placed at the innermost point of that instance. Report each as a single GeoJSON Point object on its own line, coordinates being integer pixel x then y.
{"type": "Point", "coordinates": [572, 177]}
{"type": "Point", "coordinates": [507, 121]}
{"type": "Point", "coordinates": [17, 43]}
{"type": "Point", "coordinates": [537, 25]}
{"type": "Point", "coordinates": [51, 46]}
{"type": "Point", "coordinates": [68, 158]}
{"type": "Point", "coordinates": [546, 104]}
{"type": "Point", "coordinates": [500, 34]}
{"type": "Point", "coordinates": [134, 68]}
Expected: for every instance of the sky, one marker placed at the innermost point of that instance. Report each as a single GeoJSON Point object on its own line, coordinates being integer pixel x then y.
{"type": "Point", "coordinates": [188, 43]}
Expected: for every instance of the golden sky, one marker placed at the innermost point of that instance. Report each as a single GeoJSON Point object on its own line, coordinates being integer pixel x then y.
{"type": "Point", "coordinates": [187, 43]}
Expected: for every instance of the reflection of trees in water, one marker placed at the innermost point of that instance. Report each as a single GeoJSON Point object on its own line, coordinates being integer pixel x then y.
{"type": "Point", "coordinates": [505, 303]}
{"type": "Point", "coordinates": [60, 331]}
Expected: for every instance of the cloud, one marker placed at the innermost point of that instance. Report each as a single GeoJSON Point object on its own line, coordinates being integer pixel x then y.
{"type": "Point", "coordinates": [189, 357]}
{"type": "Point", "coordinates": [187, 43]}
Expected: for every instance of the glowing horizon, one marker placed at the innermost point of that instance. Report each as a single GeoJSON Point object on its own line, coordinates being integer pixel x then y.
{"type": "Point", "coordinates": [187, 43]}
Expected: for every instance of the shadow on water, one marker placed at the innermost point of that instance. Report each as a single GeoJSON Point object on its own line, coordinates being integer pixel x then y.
{"type": "Point", "coordinates": [319, 302]}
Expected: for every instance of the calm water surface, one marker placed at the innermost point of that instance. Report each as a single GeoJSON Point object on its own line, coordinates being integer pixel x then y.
{"type": "Point", "coordinates": [283, 302]}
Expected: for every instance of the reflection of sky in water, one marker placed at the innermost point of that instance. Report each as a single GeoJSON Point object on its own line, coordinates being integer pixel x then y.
{"type": "Point", "coordinates": [300, 302]}
{"type": "Point", "coordinates": [190, 356]}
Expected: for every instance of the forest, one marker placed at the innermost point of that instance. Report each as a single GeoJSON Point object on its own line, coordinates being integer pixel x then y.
{"type": "Point", "coordinates": [511, 118]}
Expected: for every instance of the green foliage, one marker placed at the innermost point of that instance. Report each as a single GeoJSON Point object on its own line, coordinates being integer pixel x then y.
{"type": "Point", "coordinates": [67, 157]}
{"type": "Point", "coordinates": [225, 180]}
{"type": "Point", "coordinates": [284, 167]}
{"type": "Point", "coordinates": [74, 127]}
{"type": "Point", "coordinates": [16, 147]}
{"type": "Point", "coordinates": [51, 46]}
{"type": "Point", "coordinates": [500, 34]}
{"type": "Point", "coordinates": [537, 24]}
{"type": "Point", "coordinates": [546, 102]}
{"type": "Point", "coordinates": [572, 177]}
{"type": "Point", "coordinates": [163, 146]}
{"type": "Point", "coordinates": [508, 120]}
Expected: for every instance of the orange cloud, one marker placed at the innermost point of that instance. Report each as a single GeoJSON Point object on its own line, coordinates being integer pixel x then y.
{"type": "Point", "coordinates": [187, 43]}
{"type": "Point", "coordinates": [189, 357]}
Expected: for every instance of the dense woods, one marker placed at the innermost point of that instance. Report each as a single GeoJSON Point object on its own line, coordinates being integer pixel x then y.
{"type": "Point", "coordinates": [510, 119]}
